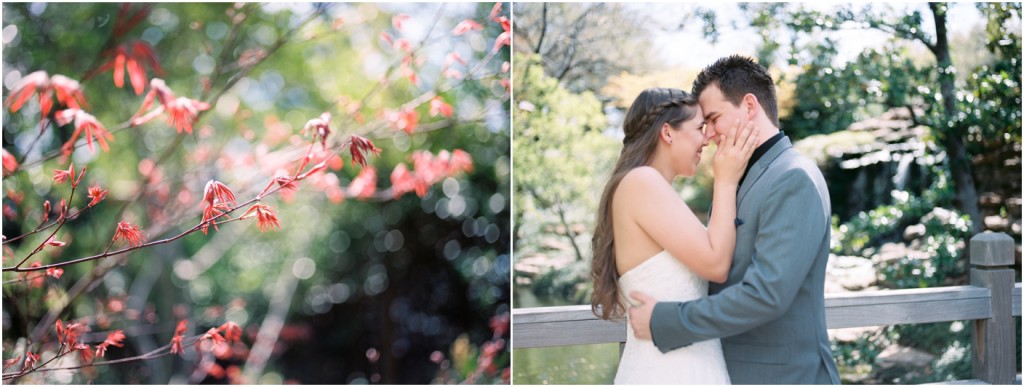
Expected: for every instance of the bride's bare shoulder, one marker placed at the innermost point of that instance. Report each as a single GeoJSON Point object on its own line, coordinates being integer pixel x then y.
{"type": "Point", "coordinates": [640, 183]}
{"type": "Point", "coordinates": [644, 177]}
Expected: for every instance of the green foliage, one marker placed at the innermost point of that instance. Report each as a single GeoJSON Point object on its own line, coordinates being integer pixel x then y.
{"type": "Point", "coordinates": [990, 104]}
{"type": "Point", "coordinates": [855, 357]}
{"type": "Point", "coordinates": [886, 222]}
{"type": "Point", "coordinates": [945, 266]}
{"type": "Point", "coordinates": [831, 97]}
{"type": "Point", "coordinates": [574, 364]}
{"type": "Point", "coordinates": [570, 283]}
{"type": "Point", "coordinates": [562, 153]}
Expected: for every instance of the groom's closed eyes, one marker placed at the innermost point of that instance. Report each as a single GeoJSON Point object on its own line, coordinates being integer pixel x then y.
{"type": "Point", "coordinates": [712, 117]}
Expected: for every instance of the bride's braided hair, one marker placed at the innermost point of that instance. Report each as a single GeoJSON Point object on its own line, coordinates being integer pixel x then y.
{"type": "Point", "coordinates": [642, 126]}
{"type": "Point", "coordinates": [655, 112]}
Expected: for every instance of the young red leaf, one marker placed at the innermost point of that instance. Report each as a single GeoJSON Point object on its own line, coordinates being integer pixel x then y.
{"type": "Point", "coordinates": [31, 359]}
{"type": "Point", "coordinates": [320, 127]}
{"type": "Point", "coordinates": [130, 233]}
{"type": "Point", "coordinates": [212, 212]}
{"type": "Point", "coordinates": [403, 181]}
{"type": "Point", "coordinates": [69, 91]}
{"type": "Point", "coordinates": [232, 332]}
{"type": "Point", "coordinates": [438, 106]}
{"type": "Point", "coordinates": [97, 194]}
{"type": "Point", "coordinates": [359, 146]}
{"type": "Point", "coordinates": [25, 88]}
{"type": "Point", "coordinates": [495, 11]}
{"type": "Point", "coordinates": [120, 56]}
{"type": "Point", "coordinates": [84, 122]}
{"type": "Point", "coordinates": [503, 40]}
{"type": "Point", "coordinates": [54, 242]}
{"type": "Point", "coordinates": [115, 338]}
{"type": "Point", "coordinates": [54, 272]}
{"type": "Point", "coordinates": [266, 219]}
{"type": "Point", "coordinates": [365, 184]}
{"type": "Point", "coordinates": [466, 26]}
{"type": "Point", "coordinates": [216, 190]}
{"type": "Point", "coordinates": [10, 164]}
{"type": "Point", "coordinates": [406, 119]}
{"type": "Point", "coordinates": [60, 176]}
{"type": "Point", "coordinates": [10, 362]}
{"type": "Point", "coordinates": [397, 21]}
{"type": "Point", "coordinates": [182, 113]}
{"type": "Point", "coordinates": [176, 346]}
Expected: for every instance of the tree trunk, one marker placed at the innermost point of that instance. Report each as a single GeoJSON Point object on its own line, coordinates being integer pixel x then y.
{"type": "Point", "coordinates": [561, 217]}
{"type": "Point", "coordinates": [569, 233]}
{"type": "Point", "coordinates": [543, 27]}
{"type": "Point", "coordinates": [951, 131]}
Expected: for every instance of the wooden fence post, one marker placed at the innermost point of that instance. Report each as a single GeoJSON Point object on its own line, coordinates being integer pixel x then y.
{"type": "Point", "coordinates": [993, 340]}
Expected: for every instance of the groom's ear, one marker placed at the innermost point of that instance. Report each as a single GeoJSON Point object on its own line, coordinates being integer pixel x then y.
{"type": "Point", "coordinates": [752, 105]}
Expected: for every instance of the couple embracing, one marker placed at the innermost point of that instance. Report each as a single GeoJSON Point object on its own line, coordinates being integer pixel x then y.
{"type": "Point", "coordinates": [740, 300]}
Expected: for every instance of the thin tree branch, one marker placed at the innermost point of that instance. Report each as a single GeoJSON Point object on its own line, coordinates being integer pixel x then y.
{"type": "Point", "coordinates": [156, 353]}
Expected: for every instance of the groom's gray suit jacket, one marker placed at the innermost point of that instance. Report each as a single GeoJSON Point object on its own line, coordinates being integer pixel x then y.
{"type": "Point", "coordinates": [770, 312]}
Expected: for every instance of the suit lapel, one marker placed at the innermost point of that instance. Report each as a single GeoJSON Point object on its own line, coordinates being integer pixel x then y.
{"type": "Point", "coordinates": [761, 166]}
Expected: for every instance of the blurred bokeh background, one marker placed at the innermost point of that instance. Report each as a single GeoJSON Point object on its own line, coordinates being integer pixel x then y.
{"type": "Point", "coordinates": [912, 111]}
{"type": "Point", "coordinates": [357, 285]}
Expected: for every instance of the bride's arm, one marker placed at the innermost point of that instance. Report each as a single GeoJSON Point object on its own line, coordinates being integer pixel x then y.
{"type": "Point", "coordinates": [673, 226]}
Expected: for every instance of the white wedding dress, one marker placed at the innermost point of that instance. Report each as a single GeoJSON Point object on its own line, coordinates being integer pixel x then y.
{"type": "Point", "coordinates": [666, 279]}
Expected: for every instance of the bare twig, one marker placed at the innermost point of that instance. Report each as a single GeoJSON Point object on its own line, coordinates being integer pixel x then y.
{"type": "Point", "coordinates": [156, 353]}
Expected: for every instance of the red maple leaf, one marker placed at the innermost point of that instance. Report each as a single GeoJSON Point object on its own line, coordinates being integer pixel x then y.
{"type": "Point", "coordinates": [130, 233]}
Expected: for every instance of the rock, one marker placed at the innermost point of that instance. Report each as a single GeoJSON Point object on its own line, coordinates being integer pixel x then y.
{"type": "Point", "coordinates": [914, 232]}
{"type": "Point", "coordinates": [900, 356]}
{"type": "Point", "coordinates": [989, 199]}
{"type": "Point", "coordinates": [857, 376]}
{"type": "Point", "coordinates": [943, 215]}
{"type": "Point", "coordinates": [897, 365]}
{"type": "Point", "coordinates": [534, 265]}
{"type": "Point", "coordinates": [996, 223]}
{"type": "Point", "coordinates": [850, 335]}
{"type": "Point", "coordinates": [1013, 205]}
{"type": "Point", "coordinates": [555, 244]}
{"type": "Point", "coordinates": [851, 273]}
{"type": "Point", "coordinates": [896, 251]}
{"type": "Point", "coordinates": [917, 244]}
{"type": "Point", "coordinates": [833, 287]}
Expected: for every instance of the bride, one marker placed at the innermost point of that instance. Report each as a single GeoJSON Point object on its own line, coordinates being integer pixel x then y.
{"type": "Point", "coordinates": [647, 239]}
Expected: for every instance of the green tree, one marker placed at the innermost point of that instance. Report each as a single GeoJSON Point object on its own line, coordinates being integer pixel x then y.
{"type": "Point", "coordinates": [562, 156]}
{"type": "Point", "coordinates": [576, 45]}
{"type": "Point", "coordinates": [944, 107]}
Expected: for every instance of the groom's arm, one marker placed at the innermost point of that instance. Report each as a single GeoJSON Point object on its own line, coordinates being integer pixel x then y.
{"type": "Point", "coordinates": [791, 232]}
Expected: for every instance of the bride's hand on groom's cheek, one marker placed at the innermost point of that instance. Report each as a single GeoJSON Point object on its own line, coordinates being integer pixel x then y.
{"type": "Point", "coordinates": [734, 150]}
{"type": "Point", "coordinates": [640, 314]}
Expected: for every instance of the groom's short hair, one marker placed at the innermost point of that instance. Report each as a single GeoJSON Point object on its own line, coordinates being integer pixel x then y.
{"type": "Point", "coordinates": [737, 75]}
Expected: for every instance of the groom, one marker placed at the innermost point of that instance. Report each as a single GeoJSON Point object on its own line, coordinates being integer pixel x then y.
{"type": "Point", "coordinates": [770, 312]}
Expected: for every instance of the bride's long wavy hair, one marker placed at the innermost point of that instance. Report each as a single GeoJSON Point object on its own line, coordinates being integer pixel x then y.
{"type": "Point", "coordinates": [643, 122]}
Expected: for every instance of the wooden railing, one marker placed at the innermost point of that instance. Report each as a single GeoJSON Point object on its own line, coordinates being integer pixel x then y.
{"type": "Point", "coordinates": [991, 301]}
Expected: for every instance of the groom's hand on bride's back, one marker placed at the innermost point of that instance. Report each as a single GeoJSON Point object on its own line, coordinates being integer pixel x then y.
{"type": "Point", "coordinates": [640, 314]}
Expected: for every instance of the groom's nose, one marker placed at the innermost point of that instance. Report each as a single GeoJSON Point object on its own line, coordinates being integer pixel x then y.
{"type": "Point", "coordinates": [710, 134]}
